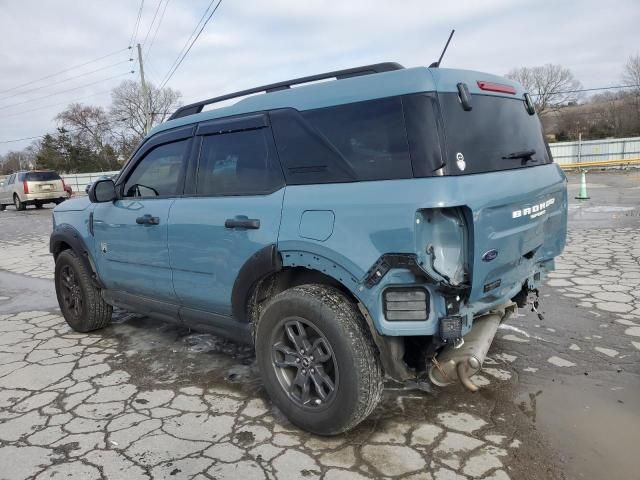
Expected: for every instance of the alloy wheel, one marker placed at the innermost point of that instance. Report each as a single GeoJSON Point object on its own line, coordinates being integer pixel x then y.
{"type": "Point", "coordinates": [304, 363]}
{"type": "Point", "coordinates": [71, 291]}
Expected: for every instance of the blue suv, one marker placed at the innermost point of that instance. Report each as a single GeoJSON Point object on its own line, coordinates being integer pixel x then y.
{"type": "Point", "coordinates": [377, 226]}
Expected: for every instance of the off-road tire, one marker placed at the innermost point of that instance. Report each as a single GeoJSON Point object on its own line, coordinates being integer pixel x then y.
{"type": "Point", "coordinates": [20, 206]}
{"type": "Point", "coordinates": [95, 312]}
{"type": "Point", "coordinates": [360, 381]}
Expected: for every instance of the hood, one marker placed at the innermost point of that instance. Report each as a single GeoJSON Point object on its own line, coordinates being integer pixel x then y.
{"type": "Point", "coordinates": [73, 205]}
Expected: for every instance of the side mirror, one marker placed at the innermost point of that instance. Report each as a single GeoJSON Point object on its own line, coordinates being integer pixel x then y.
{"type": "Point", "coordinates": [102, 191]}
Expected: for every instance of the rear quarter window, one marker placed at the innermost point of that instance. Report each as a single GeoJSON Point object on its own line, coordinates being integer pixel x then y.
{"type": "Point", "coordinates": [352, 142]}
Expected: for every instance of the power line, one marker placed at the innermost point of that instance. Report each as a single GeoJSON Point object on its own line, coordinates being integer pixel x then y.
{"type": "Point", "coordinates": [65, 91]}
{"type": "Point", "coordinates": [136, 26]}
{"type": "Point", "coordinates": [68, 102]}
{"type": "Point", "coordinates": [65, 70]}
{"type": "Point", "coordinates": [64, 130]}
{"type": "Point", "coordinates": [172, 72]}
{"type": "Point", "coordinates": [153, 20]}
{"type": "Point", "coordinates": [155, 33]}
{"type": "Point", "coordinates": [613, 87]}
{"type": "Point", "coordinates": [186, 43]}
{"type": "Point", "coordinates": [64, 80]}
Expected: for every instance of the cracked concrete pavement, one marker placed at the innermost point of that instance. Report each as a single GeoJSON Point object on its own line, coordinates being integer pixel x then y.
{"type": "Point", "coordinates": [144, 399]}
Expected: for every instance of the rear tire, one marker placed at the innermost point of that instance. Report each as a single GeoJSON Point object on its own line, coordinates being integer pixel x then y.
{"type": "Point", "coordinates": [20, 206]}
{"type": "Point", "coordinates": [317, 359]}
{"type": "Point", "coordinates": [80, 301]}
{"type": "Point", "coordinates": [2, 207]}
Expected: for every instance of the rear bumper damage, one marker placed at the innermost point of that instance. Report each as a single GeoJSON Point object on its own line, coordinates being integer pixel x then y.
{"type": "Point", "coordinates": [461, 361]}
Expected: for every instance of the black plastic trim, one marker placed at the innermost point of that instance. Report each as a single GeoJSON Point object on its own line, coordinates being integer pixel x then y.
{"type": "Point", "coordinates": [151, 307]}
{"type": "Point", "coordinates": [388, 261]}
{"type": "Point", "coordinates": [265, 261]}
{"type": "Point", "coordinates": [67, 234]}
{"type": "Point", "coordinates": [216, 324]}
{"type": "Point", "coordinates": [233, 124]}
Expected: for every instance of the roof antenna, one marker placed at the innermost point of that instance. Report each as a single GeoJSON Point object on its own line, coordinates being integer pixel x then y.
{"type": "Point", "coordinates": [437, 64]}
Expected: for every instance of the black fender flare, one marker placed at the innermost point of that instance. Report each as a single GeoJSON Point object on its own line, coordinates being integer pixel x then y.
{"type": "Point", "coordinates": [66, 234]}
{"type": "Point", "coordinates": [265, 261]}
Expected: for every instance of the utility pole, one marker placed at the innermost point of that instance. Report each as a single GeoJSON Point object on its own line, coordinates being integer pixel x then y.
{"type": "Point", "coordinates": [145, 94]}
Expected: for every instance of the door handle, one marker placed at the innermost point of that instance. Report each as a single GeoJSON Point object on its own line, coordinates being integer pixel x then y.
{"type": "Point", "coordinates": [147, 220]}
{"type": "Point", "coordinates": [242, 221]}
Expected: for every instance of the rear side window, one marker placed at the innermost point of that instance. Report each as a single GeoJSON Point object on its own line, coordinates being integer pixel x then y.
{"type": "Point", "coordinates": [41, 176]}
{"type": "Point", "coordinates": [238, 163]}
{"type": "Point", "coordinates": [159, 172]}
{"type": "Point", "coordinates": [496, 134]}
{"type": "Point", "coordinates": [352, 142]}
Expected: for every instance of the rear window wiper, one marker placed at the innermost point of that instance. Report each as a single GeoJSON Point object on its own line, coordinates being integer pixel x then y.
{"type": "Point", "coordinates": [521, 154]}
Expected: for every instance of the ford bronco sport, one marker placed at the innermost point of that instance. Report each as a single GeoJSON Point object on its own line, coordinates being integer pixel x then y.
{"type": "Point", "coordinates": [378, 226]}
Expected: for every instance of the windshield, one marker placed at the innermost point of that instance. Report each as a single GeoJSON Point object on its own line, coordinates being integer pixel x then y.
{"type": "Point", "coordinates": [41, 176]}
{"type": "Point", "coordinates": [496, 134]}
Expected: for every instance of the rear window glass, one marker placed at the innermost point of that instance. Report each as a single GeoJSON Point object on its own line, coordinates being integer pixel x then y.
{"type": "Point", "coordinates": [351, 142]}
{"type": "Point", "coordinates": [41, 176]}
{"type": "Point", "coordinates": [497, 134]}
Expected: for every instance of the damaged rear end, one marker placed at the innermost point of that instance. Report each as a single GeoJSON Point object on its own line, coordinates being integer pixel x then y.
{"type": "Point", "coordinates": [501, 221]}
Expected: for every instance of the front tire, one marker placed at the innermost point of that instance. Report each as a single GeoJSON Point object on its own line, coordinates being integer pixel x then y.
{"type": "Point", "coordinates": [317, 359]}
{"type": "Point", "coordinates": [20, 205]}
{"type": "Point", "coordinates": [80, 301]}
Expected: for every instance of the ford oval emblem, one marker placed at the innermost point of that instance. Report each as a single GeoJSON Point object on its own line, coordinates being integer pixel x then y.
{"type": "Point", "coordinates": [490, 255]}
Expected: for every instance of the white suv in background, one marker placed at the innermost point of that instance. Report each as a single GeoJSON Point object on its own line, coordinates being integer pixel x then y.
{"type": "Point", "coordinates": [35, 187]}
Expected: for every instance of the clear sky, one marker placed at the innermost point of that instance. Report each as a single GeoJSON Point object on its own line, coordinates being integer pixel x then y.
{"type": "Point", "coordinates": [250, 42]}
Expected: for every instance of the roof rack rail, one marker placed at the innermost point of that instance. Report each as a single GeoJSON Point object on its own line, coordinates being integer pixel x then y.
{"type": "Point", "coordinates": [197, 107]}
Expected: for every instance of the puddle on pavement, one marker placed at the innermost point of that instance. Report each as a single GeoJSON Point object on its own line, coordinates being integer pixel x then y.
{"type": "Point", "coordinates": [38, 294]}
{"type": "Point", "coordinates": [592, 422]}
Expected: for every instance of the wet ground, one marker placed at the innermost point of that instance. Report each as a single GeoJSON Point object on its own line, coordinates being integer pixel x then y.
{"type": "Point", "coordinates": [143, 399]}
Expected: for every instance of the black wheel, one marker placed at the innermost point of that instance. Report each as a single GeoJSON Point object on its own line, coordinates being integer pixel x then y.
{"type": "Point", "coordinates": [2, 207]}
{"type": "Point", "coordinates": [38, 205]}
{"type": "Point", "coordinates": [19, 205]}
{"type": "Point", "coordinates": [80, 301]}
{"type": "Point", "coordinates": [317, 359]}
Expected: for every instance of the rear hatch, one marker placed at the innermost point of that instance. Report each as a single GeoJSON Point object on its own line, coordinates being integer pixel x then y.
{"type": "Point", "coordinates": [517, 203]}
{"type": "Point", "coordinates": [44, 182]}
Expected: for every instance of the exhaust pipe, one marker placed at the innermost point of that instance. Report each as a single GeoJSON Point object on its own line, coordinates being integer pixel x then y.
{"type": "Point", "coordinates": [461, 363]}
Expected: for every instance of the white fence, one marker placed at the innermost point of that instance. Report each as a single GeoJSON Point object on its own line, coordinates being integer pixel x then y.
{"type": "Point", "coordinates": [596, 150]}
{"type": "Point", "coordinates": [79, 181]}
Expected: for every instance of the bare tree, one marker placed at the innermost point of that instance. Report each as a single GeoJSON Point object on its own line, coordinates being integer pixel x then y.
{"type": "Point", "coordinates": [551, 86]}
{"type": "Point", "coordinates": [127, 105]}
{"type": "Point", "coordinates": [631, 72]}
{"type": "Point", "coordinates": [87, 123]}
